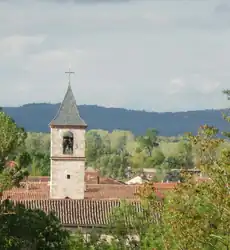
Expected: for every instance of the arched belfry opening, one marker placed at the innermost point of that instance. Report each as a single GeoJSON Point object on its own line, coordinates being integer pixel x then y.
{"type": "Point", "coordinates": [67, 143]}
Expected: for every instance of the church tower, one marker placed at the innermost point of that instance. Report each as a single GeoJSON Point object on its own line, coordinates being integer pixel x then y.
{"type": "Point", "coordinates": [67, 150]}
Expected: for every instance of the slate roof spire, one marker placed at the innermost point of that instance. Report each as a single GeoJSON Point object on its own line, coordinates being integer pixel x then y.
{"type": "Point", "coordinates": [68, 113]}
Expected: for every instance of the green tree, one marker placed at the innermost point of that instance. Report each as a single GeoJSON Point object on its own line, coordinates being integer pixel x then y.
{"type": "Point", "coordinates": [173, 162]}
{"type": "Point", "coordinates": [37, 142]}
{"type": "Point", "coordinates": [149, 141]}
{"type": "Point", "coordinates": [156, 159]}
{"type": "Point", "coordinates": [23, 159]}
{"type": "Point", "coordinates": [185, 153]}
{"type": "Point", "coordinates": [11, 137]}
{"type": "Point", "coordinates": [198, 213]}
{"type": "Point", "coordinates": [40, 164]}
{"type": "Point", "coordinates": [95, 147]}
{"type": "Point", "coordinates": [23, 228]}
{"type": "Point", "coordinates": [30, 229]}
{"type": "Point", "coordinates": [226, 115]}
{"type": "Point", "coordinates": [137, 160]}
{"type": "Point", "coordinates": [113, 165]}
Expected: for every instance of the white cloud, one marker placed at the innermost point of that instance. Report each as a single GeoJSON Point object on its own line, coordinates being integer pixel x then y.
{"type": "Point", "coordinates": [17, 45]}
{"type": "Point", "coordinates": [204, 85]}
{"type": "Point", "coordinates": [194, 83]}
{"type": "Point", "coordinates": [176, 86]}
{"type": "Point", "coordinates": [153, 55]}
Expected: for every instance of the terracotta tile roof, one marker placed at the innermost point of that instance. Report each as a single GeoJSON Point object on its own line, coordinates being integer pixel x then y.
{"type": "Point", "coordinates": [108, 180]}
{"type": "Point", "coordinates": [103, 180]}
{"type": "Point", "coordinates": [108, 191]}
{"type": "Point", "coordinates": [165, 186]}
{"type": "Point", "coordinates": [94, 210]}
{"type": "Point", "coordinates": [35, 190]}
{"type": "Point", "coordinates": [90, 178]}
{"type": "Point", "coordinates": [28, 191]}
{"type": "Point", "coordinates": [29, 195]}
{"type": "Point", "coordinates": [39, 191]}
{"type": "Point", "coordinates": [38, 178]}
{"type": "Point", "coordinates": [78, 212]}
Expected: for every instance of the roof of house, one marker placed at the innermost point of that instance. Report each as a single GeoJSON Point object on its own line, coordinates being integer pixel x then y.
{"type": "Point", "coordinates": [90, 178]}
{"type": "Point", "coordinates": [102, 180]}
{"type": "Point", "coordinates": [111, 192]}
{"type": "Point", "coordinates": [40, 191]}
{"type": "Point", "coordinates": [94, 210]}
{"type": "Point", "coordinates": [68, 113]}
{"type": "Point", "coordinates": [38, 178]}
{"type": "Point", "coordinates": [81, 213]}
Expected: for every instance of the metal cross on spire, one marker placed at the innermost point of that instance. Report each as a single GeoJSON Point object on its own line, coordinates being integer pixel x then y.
{"type": "Point", "coordinates": [69, 72]}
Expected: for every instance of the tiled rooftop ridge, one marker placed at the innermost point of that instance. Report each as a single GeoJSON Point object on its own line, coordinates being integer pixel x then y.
{"type": "Point", "coordinates": [80, 213]}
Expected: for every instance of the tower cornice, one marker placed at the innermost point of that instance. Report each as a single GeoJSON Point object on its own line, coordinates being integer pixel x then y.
{"type": "Point", "coordinates": [67, 126]}
{"type": "Point", "coordinates": [67, 158]}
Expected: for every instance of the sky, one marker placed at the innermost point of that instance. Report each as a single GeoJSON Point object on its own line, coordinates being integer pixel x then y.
{"type": "Point", "coordinates": [155, 55]}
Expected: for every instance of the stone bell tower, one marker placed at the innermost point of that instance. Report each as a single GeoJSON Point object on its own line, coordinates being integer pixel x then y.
{"type": "Point", "coordinates": [67, 150]}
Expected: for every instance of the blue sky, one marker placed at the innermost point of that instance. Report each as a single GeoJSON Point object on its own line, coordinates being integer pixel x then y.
{"type": "Point", "coordinates": [160, 55]}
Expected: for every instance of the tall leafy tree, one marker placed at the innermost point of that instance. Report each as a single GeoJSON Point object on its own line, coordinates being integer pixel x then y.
{"type": "Point", "coordinates": [12, 138]}
{"type": "Point", "coordinates": [95, 147]}
{"type": "Point", "coordinates": [226, 115]}
{"type": "Point", "coordinates": [149, 141]}
{"type": "Point", "coordinates": [198, 212]}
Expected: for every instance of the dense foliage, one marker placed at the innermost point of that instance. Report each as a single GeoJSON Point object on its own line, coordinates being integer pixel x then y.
{"type": "Point", "coordinates": [21, 228]}
{"type": "Point", "coordinates": [30, 229]}
{"type": "Point", "coordinates": [118, 154]}
{"type": "Point", "coordinates": [195, 215]}
{"type": "Point", "coordinates": [12, 138]}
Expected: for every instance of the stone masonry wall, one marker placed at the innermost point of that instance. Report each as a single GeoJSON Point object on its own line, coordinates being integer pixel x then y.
{"type": "Point", "coordinates": [62, 187]}
{"type": "Point", "coordinates": [67, 173]}
{"type": "Point", "coordinates": [78, 141]}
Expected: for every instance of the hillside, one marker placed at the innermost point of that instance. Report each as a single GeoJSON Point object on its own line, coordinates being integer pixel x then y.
{"type": "Point", "coordinates": [36, 117]}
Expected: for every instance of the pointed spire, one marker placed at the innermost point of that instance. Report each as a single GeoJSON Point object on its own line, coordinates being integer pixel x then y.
{"type": "Point", "coordinates": [68, 113]}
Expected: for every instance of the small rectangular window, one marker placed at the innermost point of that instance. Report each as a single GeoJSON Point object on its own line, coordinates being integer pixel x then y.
{"type": "Point", "coordinates": [68, 176]}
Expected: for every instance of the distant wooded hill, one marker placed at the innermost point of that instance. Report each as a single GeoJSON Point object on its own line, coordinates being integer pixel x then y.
{"type": "Point", "coordinates": [36, 117]}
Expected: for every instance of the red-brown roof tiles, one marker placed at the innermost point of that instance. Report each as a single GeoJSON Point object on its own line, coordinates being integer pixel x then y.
{"type": "Point", "coordinates": [103, 180]}
{"type": "Point", "coordinates": [79, 213]}
{"type": "Point", "coordinates": [165, 186]}
{"type": "Point", "coordinates": [39, 191]}
{"type": "Point", "coordinates": [111, 192]}
{"type": "Point", "coordinates": [38, 178]}
{"type": "Point", "coordinates": [90, 178]}
{"type": "Point", "coordinates": [93, 192]}
{"type": "Point", "coordinates": [94, 210]}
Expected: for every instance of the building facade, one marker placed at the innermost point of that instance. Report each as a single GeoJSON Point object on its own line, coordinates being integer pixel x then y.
{"type": "Point", "coordinates": [67, 151]}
